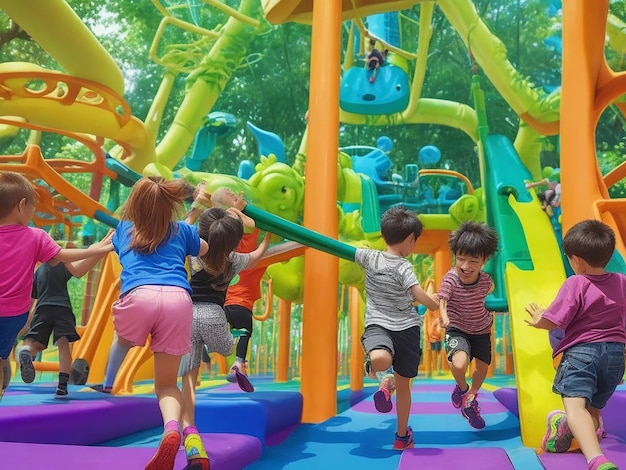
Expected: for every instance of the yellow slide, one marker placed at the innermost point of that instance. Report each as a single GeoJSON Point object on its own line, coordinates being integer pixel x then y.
{"type": "Point", "coordinates": [532, 354]}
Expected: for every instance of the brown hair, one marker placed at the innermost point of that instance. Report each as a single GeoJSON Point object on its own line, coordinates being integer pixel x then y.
{"type": "Point", "coordinates": [473, 239]}
{"type": "Point", "coordinates": [223, 233]}
{"type": "Point", "coordinates": [153, 206]}
{"type": "Point", "coordinates": [13, 188]}
{"type": "Point", "coordinates": [590, 240]}
{"type": "Point", "coordinates": [398, 223]}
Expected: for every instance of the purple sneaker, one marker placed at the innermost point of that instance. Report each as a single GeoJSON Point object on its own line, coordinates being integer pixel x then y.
{"type": "Point", "coordinates": [382, 398]}
{"type": "Point", "coordinates": [471, 411]}
{"type": "Point", "coordinates": [457, 396]}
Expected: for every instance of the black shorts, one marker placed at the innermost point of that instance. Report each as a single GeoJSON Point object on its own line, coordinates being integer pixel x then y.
{"type": "Point", "coordinates": [49, 319]}
{"type": "Point", "coordinates": [476, 346]}
{"type": "Point", "coordinates": [403, 345]}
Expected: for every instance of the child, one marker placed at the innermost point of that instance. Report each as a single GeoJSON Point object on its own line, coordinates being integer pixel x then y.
{"type": "Point", "coordinates": [590, 307]}
{"type": "Point", "coordinates": [21, 248]}
{"type": "Point", "coordinates": [392, 326]}
{"type": "Point", "coordinates": [463, 314]}
{"type": "Point", "coordinates": [155, 295]}
{"type": "Point", "coordinates": [118, 350]}
{"type": "Point", "coordinates": [53, 313]}
{"type": "Point", "coordinates": [240, 297]}
{"type": "Point", "coordinates": [211, 274]}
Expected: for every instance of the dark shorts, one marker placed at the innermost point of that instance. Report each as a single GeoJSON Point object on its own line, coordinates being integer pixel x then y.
{"type": "Point", "coordinates": [9, 328]}
{"type": "Point", "coordinates": [476, 346]}
{"type": "Point", "coordinates": [590, 370]}
{"type": "Point", "coordinates": [403, 345]}
{"type": "Point", "coordinates": [50, 319]}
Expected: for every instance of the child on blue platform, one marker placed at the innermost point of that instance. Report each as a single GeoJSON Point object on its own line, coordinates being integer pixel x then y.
{"type": "Point", "coordinates": [590, 308]}
{"type": "Point", "coordinates": [155, 295]}
{"type": "Point", "coordinates": [467, 321]}
{"type": "Point", "coordinates": [211, 275]}
{"type": "Point", "coordinates": [21, 248]}
{"type": "Point", "coordinates": [392, 325]}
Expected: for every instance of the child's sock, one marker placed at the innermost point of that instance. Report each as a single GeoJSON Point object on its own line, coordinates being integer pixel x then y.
{"type": "Point", "coordinates": [195, 452]}
{"type": "Point", "coordinates": [190, 430]}
{"type": "Point", "coordinates": [63, 380]}
{"type": "Point", "coordinates": [600, 462]}
{"type": "Point", "coordinates": [171, 426]}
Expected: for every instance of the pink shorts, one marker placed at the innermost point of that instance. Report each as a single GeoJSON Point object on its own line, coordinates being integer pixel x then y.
{"type": "Point", "coordinates": [164, 312]}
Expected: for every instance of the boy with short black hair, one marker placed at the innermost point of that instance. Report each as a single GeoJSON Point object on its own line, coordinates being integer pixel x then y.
{"type": "Point", "coordinates": [392, 325]}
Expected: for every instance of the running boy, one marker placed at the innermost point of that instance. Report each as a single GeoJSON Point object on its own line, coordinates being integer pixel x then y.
{"type": "Point", "coordinates": [590, 307]}
{"type": "Point", "coordinates": [53, 313]}
{"type": "Point", "coordinates": [464, 316]}
{"type": "Point", "coordinates": [21, 248]}
{"type": "Point", "coordinates": [392, 325]}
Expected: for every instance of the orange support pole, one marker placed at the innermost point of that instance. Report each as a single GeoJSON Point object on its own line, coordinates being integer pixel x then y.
{"type": "Point", "coordinates": [356, 330]}
{"type": "Point", "coordinates": [321, 270]}
{"type": "Point", "coordinates": [284, 344]}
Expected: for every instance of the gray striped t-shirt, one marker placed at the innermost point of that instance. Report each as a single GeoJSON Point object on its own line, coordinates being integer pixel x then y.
{"type": "Point", "coordinates": [388, 282]}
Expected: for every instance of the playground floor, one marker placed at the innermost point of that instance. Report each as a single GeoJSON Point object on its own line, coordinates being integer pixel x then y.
{"type": "Point", "coordinates": [261, 430]}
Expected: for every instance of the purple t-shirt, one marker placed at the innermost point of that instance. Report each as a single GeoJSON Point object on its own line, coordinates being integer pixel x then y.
{"type": "Point", "coordinates": [20, 250]}
{"type": "Point", "coordinates": [590, 309]}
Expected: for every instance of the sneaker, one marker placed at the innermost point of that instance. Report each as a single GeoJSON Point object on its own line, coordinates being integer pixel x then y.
{"type": "Point", "coordinates": [166, 453]}
{"type": "Point", "coordinates": [27, 369]}
{"type": "Point", "coordinates": [457, 396]}
{"type": "Point", "coordinates": [382, 398]}
{"type": "Point", "coordinates": [600, 462]}
{"type": "Point", "coordinates": [406, 442]}
{"type": "Point", "coordinates": [102, 388]}
{"type": "Point", "coordinates": [558, 438]}
{"type": "Point", "coordinates": [197, 457]}
{"type": "Point", "coordinates": [240, 373]}
{"type": "Point", "coordinates": [61, 393]}
{"type": "Point", "coordinates": [367, 367]}
{"type": "Point", "coordinates": [471, 411]}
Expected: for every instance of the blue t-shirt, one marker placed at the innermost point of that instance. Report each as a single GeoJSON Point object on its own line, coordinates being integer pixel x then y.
{"type": "Point", "coordinates": [164, 267]}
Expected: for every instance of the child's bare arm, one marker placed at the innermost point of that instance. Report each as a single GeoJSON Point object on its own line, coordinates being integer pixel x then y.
{"type": "Point", "coordinates": [423, 298]}
{"type": "Point", "coordinates": [443, 311]}
{"type": "Point", "coordinates": [104, 246]}
{"type": "Point", "coordinates": [257, 254]}
{"type": "Point", "coordinates": [81, 267]}
{"type": "Point", "coordinates": [536, 314]}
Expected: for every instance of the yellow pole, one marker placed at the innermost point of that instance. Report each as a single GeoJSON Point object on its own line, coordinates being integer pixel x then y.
{"type": "Point", "coordinates": [356, 330]}
{"type": "Point", "coordinates": [284, 330]}
{"type": "Point", "coordinates": [321, 277]}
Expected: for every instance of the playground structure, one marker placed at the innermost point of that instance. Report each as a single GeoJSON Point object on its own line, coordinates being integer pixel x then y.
{"type": "Point", "coordinates": [87, 106]}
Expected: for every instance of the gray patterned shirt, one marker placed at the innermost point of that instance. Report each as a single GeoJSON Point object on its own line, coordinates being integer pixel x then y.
{"type": "Point", "coordinates": [388, 282]}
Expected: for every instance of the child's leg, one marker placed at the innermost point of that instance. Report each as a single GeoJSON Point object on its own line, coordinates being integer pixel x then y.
{"type": "Point", "coordinates": [478, 377]}
{"type": "Point", "coordinates": [380, 360]}
{"type": "Point", "coordinates": [117, 353]}
{"type": "Point", "coordinates": [170, 402]}
{"type": "Point", "coordinates": [458, 367]}
{"type": "Point", "coordinates": [403, 403]}
{"type": "Point", "coordinates": [581, 424]}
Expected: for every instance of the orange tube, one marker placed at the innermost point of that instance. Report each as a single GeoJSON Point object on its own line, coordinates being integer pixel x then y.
{"type": "Point", "coordinates": [321, 270]}
{"type": "Point", "coordinates": [284, 331]}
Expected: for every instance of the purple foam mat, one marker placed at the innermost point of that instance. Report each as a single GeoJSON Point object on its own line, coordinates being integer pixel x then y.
{"type": "Point", "coordinates": [613, 448]}
{"type": "Point", "coordinates": [226, 452]}
{"type": "Point", "coordinates": [459, 458]}
{"type": "Point", "coordinates": [73, 421]}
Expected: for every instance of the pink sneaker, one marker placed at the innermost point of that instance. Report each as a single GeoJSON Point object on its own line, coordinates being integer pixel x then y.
{"type": "Point", "coordinates": [470, 409]}
{"type": "Point", "coordinates": [166, 453]}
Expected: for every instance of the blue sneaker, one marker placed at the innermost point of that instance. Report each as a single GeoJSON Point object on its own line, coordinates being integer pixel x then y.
{"type": "Point", "coordinates": [471, 411]}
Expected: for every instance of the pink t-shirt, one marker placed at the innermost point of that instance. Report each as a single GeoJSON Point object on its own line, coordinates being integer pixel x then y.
{"type": "Point", "coordinates": [590, 309]}
{"type": "Point", "coordinates": [20, 250]}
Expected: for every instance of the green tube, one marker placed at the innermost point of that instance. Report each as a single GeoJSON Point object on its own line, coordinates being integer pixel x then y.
{"type": "Point", "coordinates": [294, 232]}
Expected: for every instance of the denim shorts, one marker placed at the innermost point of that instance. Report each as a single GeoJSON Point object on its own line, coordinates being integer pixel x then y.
{"type": "Point", "coordinates": [590, 370]}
